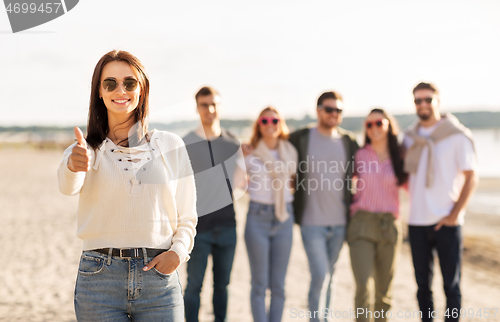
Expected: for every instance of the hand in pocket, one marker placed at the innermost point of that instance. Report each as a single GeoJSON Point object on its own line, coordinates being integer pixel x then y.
{"type": "Point", "coordinates": [165, 263]}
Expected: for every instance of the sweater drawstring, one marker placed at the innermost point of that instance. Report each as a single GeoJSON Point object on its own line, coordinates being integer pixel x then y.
{"type": "Point", "coordinates": [98, 157]}
{"type": "Point", "coordinates": [162, 152]}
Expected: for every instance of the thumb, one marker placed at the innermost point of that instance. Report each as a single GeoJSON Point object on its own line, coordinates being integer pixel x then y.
{"type": "Point", "coordinates": [438, 226]}
{"type": "Point", "coordinates": [79, 137]}
{"type": "Point", "coordinates": [151, 264]}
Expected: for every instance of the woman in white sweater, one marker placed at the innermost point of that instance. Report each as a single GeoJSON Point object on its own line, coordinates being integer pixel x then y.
{"type": "Point", "coordinates": [137, 208]}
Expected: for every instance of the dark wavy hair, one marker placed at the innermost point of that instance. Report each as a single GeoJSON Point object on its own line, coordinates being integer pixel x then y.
{"type": "Point", "coordinates": [326, 95]}
{"type": "Point", "coordinates": [97, 126]}
{"type": "Point", "coordinates": [423, 85]}
{"type": "Point", "coordinates": [396, 150]}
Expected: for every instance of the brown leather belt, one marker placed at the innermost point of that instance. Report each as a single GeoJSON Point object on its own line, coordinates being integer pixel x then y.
{"type": "Point", "coordinates": [130, 252]}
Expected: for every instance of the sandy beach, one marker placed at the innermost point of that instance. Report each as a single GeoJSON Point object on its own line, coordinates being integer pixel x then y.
{"type": "Point", "coordinates": [40, 255]}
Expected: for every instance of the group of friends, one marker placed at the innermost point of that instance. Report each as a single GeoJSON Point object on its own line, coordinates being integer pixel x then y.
{"type": "Point", "coordinates": [150, 201]}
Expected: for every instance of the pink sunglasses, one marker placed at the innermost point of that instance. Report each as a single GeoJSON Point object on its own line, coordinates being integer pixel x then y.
{"type": "Point", "coordinates": [268, 120]}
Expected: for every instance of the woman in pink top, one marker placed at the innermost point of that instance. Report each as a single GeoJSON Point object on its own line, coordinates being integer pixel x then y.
{"type": "Point", "coordinates": [373, 233]}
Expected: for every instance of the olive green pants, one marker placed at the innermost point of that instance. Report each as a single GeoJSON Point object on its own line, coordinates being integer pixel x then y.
{"type": "Point", "coordinates": [374, 240]}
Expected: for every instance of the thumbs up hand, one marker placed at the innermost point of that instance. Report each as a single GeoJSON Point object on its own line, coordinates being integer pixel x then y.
{"type": "Point", "coordinates": [79, 160]}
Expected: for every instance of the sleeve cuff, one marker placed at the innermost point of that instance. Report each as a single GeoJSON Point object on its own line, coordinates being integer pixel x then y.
{"type": "Point", "coordinates": [70, 182]}
{"type": "Point", "coordinates": [181, 251]}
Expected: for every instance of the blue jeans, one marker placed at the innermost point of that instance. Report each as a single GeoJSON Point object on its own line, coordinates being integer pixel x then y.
{"type": "Point", "coordinates": [449, 245]}
{"type": "Point", "coordinates": [269, 243]}
{"type": "Point", "coordinates": [221, 243]}
{"type": "Point", "coordinates": [117, 289]}
{"type": "Point", "coordinates": [322, 245]}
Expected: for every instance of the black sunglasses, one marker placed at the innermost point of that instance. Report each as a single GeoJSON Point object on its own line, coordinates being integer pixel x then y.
{"type": "Point", "coordinates": [330, 109]}
{"type": "Point", "coordinates": [110, 84]}
{"type": "Point", "coordinates": [378, 123]}
{"type": "Point", "coordinates": [428, 100]}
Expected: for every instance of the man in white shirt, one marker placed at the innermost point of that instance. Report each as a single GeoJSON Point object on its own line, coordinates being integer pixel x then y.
{"type": "Point", "coordinates": [442, 164]}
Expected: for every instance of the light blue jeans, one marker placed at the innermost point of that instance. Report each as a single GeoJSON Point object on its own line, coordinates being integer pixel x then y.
{"type": "Point", "coordinates": [117, 289]}
{"type": "Point", "coordinates": [269, 243]}
{"type": "Point", "coordinates": [322, 246]}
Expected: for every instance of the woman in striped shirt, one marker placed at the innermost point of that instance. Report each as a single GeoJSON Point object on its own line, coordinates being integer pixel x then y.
{"type": "Point", "coordinates": [373, 233]}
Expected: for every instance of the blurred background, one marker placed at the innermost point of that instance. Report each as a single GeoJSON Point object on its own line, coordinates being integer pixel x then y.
{"type": "Point", "coordinates": [280, 53]}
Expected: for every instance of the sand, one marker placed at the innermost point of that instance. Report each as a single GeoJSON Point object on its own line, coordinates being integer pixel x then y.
{"type": "Point", "coordinates": [40, 255]}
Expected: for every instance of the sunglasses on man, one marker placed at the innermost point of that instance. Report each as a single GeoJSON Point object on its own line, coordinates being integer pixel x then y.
{"type": "Point", "coordinates": [329, 109]}
{"type": "Point", "coordinates": [110, 84]}
{"type": "Point", "coordinates": [419, 101]}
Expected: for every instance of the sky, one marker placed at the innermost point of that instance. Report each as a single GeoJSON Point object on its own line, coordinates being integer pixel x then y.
{"type": "Point", "coordinates": [258, 53]}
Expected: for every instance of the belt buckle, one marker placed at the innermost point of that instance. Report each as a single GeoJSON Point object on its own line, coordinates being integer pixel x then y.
{"type": "Point", "coordinates": [135, 250]}
{"type": "Point", "coordinates": [121, 255]}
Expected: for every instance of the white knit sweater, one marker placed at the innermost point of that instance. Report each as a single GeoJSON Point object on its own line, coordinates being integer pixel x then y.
{"type": "Point", "coordinates": [148, 203]}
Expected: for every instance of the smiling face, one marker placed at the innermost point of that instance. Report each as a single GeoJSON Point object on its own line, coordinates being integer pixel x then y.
{"type": "Point", "coordinates": [270, 130]}
{"type": "Point", "coordinates": [208, 108]}
{"type": "Point", "coordinates": [119, 102]}
{"type": "Point", "coordinates": [333, 119]}
{"type": "Point", "coordinates": [425, 110]}
{"type": "Point", "coordinates": [375, 132]}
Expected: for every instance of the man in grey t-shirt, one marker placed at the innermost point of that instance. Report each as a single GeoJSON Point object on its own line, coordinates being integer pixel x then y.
{"type": "Point", "coordinates": [323, 194]}
{"type": "Point", "coordinates": [325, 205]}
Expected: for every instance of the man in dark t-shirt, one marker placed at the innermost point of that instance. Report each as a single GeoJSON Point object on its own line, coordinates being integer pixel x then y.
{"type": "Point", "coordinates": [214, 157]}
